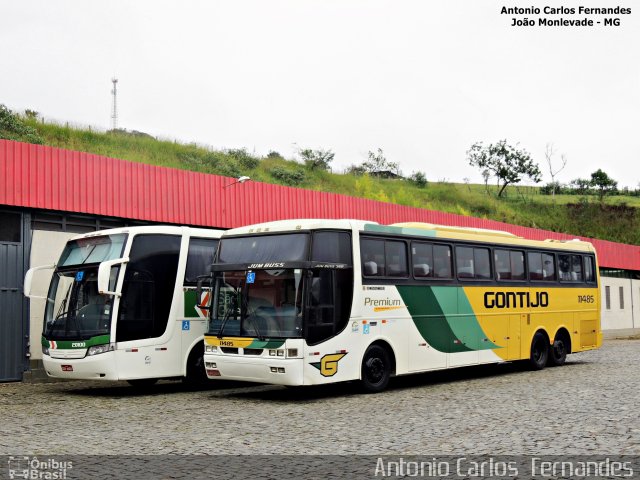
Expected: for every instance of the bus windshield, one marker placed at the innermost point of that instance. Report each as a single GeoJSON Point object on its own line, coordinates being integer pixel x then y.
{"type": "Point", "coordinates": [92, 250]}
{"type": "Point", "coordinates": [264, 303]}
{"type": "Point", "coordinates": [75, 309]}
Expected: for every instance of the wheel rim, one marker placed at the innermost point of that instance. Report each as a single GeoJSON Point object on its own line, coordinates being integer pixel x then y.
{"type": "Point", "coordinates": [374, 370]}
{"type": "Point", "coordinates": [558, 349]}
{"type": "Point", "coordinates": [538, 352]}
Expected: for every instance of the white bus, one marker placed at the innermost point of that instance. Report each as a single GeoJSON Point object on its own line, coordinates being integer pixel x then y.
{"type": "Point", "coordinates": [306, 302]}
{"type": "Point", "coordinates": [122, 305]}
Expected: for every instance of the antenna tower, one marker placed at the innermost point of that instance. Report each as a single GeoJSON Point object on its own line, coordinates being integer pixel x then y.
{"type": "Point", "coordinates": [114, 106]}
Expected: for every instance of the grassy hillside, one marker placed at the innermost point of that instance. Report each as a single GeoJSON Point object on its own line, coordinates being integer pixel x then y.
{"type": "Point", "coordinates": [617, 218]}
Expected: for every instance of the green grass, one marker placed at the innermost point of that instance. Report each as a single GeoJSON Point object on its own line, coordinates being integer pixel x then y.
{"type": "Point", "coordinates": [616, 219]}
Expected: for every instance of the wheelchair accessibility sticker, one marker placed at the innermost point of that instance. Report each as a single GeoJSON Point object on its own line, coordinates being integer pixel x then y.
{"type": "Point", "coordinates": [251, 277]}
{"type": "Point", "coordinates": [186, 324]}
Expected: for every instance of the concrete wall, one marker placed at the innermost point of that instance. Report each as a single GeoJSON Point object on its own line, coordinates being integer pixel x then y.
{"type": "Point", "coordinates": [46, 248]}
{"type": "Point", "coordinates": [619, 316]}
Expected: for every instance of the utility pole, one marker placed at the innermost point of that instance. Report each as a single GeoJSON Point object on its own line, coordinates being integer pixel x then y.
{"type": "Point", "coordinates": [114, 106]}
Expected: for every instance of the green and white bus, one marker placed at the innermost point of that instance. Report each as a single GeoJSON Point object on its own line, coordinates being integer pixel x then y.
{"type": "Point", "coordinates": [122, 305]}
{"type": "Point", "coordinates": [304, 302]}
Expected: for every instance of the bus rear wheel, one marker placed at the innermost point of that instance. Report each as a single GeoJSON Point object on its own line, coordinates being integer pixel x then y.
{"type": "Point", "coordinates": [539, 351]}
{"type": "Point", "coordinates": [558, 351]}
{"type": "Point", "coordinates": [376, 369]}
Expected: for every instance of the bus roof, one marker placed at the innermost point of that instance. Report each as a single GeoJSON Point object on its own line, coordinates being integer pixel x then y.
{"type": "Point", "coordinates": [166, 229]}
{"type": "Point", "coordinates": [416, 229]}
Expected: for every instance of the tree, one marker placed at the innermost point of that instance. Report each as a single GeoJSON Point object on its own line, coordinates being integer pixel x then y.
{"type": "Point", "coordinates": [508, 164]}
{"type": "Point", "coordinates": [316, 159]}
{"type": "Point", "coordinates": [548, 154]}
{"type": "Point", "coordinates": [581, 186]}
{"type": "Point", "coordinates": [419, 179]}
{"type": "Point", "coordinates": [377, 162]}
{"type": "Point", "coordinates": [604, 183]}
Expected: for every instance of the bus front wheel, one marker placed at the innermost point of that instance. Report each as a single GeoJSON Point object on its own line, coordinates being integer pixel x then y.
{"type": "Point", "coordinates": [376, 369]}
{"type": "Point", "coordinates": [196, 374]}
{"type": "Point", "coordinates": [539, 351]}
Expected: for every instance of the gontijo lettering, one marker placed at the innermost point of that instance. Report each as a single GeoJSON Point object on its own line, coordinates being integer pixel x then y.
{"type": "Point", "coordinates": [516, 299]}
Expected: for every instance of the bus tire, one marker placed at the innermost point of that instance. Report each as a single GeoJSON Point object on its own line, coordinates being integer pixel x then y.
{"type": "Point", "coordinates": [142, 382]}
{"type": "Point", "coordinates": [196, 374]}
{"type": "Point", "coordinates": [558, 351]}
{"type": "Point", "coordinates": [539, 351]}
{"type": "Point", "coordinates": [376, 369]}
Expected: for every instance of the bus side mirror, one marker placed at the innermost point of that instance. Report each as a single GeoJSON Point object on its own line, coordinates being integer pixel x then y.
{"type": "Point", "coordinates": [201, 280]}
{"type": "Point", "coordinates": [104, 275]}
{"type": "Point", "coordinates": [28, 281]}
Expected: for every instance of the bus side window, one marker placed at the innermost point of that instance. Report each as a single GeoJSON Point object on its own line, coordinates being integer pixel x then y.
{"type": "Point", "coordinates": [422, 259]}
{"type": "Point", "coordinates": [200, 258]}
{"type": "Point", "coordinates": [148, 288]}
{"type": "Point", "coordinates": [564, 265]}
{"type": "Point", "coordinates": [589, 273]}
{"type": "Point", "coordinates": [372, 257]}
{"type": "Point", "coordinates": [442, 261]}
{"type": "Point", "coordinates": [396, 259]}
{"type": "Point", "coordinates": [576, 268]}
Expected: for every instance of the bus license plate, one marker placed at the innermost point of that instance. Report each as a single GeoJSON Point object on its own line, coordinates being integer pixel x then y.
{"type": "Point", "coordinates": [67, 368]}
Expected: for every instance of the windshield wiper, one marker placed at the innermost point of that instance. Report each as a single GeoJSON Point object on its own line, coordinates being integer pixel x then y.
{"type": "Point", "coordinates": [252, 316]}
{"type": "Point", "coordinates": [227, 314]}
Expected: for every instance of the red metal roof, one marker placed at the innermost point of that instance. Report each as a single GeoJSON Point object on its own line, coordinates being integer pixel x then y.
{"type": "Point", "coordinates": [36, 176]}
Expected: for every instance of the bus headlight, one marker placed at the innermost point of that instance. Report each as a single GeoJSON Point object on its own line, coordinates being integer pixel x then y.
{"type": "Point", "coordinates": [210, 349]}
{"type": "Point", "coordinates": [97, 349]}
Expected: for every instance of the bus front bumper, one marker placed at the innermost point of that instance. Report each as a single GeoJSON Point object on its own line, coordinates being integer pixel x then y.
{"type": "Point", "coordinates": [273, 370]}
{"type": "Point", "coordinates": [98, 367]}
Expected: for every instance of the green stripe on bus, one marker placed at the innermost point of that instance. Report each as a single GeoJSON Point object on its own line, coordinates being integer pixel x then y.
{"type": "Point", "coordinates": [429, 317]}
{"type": "Point", "coordinates": [445, 319]}
{"type": "Point", "coordinates": [71, 344]}
{"type": "Point", "coordinates": [266, 344]}
{"type": "Point", "coordinates": [371, 227]}
{"type": "Point", "coordinates": [190, 303]}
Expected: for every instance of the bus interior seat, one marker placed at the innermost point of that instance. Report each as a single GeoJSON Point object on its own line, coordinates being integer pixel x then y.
{"type": "Point", "coordinates": [370, 268]}
{"type": "Point", "coordinates": [421, 270]}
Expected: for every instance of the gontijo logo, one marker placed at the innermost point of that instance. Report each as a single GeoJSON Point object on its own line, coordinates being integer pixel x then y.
{"type": "Point", "coordinates": [328, 365]}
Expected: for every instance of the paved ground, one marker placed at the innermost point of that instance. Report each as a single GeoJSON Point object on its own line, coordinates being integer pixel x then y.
{"type": "Point", "coordinates": [590, 405]}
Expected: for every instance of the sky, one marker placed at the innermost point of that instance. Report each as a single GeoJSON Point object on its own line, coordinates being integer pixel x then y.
{"type": "Point", "coordinates": [422, 80]}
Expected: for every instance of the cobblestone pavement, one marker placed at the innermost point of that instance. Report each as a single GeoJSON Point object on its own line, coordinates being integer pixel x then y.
{"type": "Point", "coordinates": [590, 405]}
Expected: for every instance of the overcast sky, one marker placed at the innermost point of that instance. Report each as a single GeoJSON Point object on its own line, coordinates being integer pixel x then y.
{"type": "Point", "coordinates": [422, 80]}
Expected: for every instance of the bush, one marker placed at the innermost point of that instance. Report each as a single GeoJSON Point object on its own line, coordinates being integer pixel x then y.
{"type": "Point", "coordinates": [288, 176]}
{"type": "Point", "coordinates": [550, 188]}
{"type": "Point", "coordinates": [211, 162]}
{"type": "Point", "coordinates": [13, 128]}
{"type": "Point", "coordinates": [245, 159]}
{"type": "Point", "coordinates": [419, 179]}
{"type": "Point", "coordinates": [316, 159]}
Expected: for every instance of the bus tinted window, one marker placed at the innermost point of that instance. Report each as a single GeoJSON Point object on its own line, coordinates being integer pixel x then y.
{"type": "Point", "coordinates": [396, 259]}
{"type": "Point", "coordinates": [431, 261]}
{"type": "Point", "coordinates": [541, 266]}
{"type": "Point", "coordinates": [148, 287]}
{"type": "Point", "coordinates": [372, 257]}
{"type": "Point", "coordinates": [589, 272]}
{"type": "Point", "coordinates": [383, 258]}
{"type": "Point", "coordinates": [570, 267]}
{"type": "Point", "coordinates": [265, 248]}
{"type": "Point", "coordinates": [422, 259]}
{"type": "Point", "coordinates": [442, 261]}
{"type": "Point", "coordinates": [473, 263]}
{"type": "Point", "coordinates": [509, 264]}
{"type": "Point", "coordinates": [200, 258]}
{"type": "Point", "coordinates": [332, 247]}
